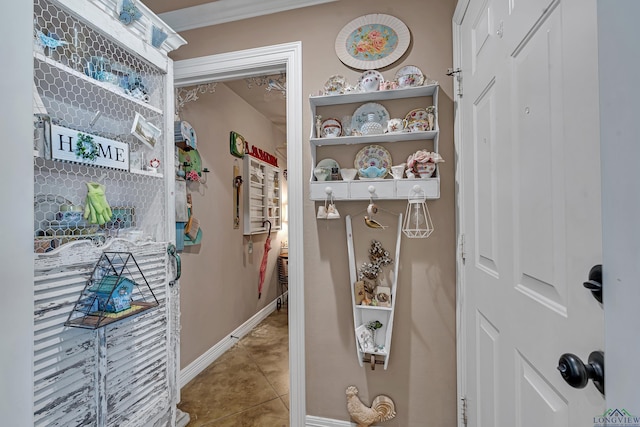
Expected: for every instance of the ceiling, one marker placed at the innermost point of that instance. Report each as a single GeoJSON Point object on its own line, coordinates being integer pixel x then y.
{"type": "Point", "coordinates": [269, 103]}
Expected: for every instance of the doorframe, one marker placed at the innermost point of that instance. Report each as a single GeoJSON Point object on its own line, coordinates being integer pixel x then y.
{"type": "Point", "coordinates": [461, 332]}
{"type": "Point", "coordinates": [269, 60]}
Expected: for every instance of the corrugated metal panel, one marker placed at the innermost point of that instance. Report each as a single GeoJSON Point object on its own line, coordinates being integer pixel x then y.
{"type": "Point", "coordinates": [113, 376]}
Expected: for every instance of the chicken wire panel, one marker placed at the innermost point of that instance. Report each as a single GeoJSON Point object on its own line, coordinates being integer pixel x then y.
{"type": "Point", "coordinates": [87, 84]}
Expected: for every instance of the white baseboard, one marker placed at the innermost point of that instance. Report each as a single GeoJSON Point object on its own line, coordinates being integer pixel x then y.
{"type": "Point", "coordinates": [200, 364]}
{"type": "Point", "coordinates": [312, 421]}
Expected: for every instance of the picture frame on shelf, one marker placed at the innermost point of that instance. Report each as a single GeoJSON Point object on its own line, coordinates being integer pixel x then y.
{"type": "Point", "coordinates": [366, 339]}
{"type": "Point", "coordinates": [145, 131]}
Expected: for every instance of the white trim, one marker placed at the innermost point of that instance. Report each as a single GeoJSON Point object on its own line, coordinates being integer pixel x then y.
{"type": "Point", "coordinates": [221, 11]}
{"type": "Point", "coordinates": [288, 56]}
{"type": "Point", "coordinates": [211, 355]}
{"type": "Point", "coordinates": [461, 9]}
{"type": "Point", "coordinates": [461, 350]}
{"type": "Point", "coordinates": [326, 422]}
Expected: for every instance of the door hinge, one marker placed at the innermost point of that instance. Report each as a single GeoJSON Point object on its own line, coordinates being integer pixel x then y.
{"type": "Point", "coordinates": [464, 410]}
{"type": "Point", "coordinates": [463, 254]}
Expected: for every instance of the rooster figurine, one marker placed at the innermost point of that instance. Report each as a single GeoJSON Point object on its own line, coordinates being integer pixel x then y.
{"type": "Point", "coordinates": [382, 408]}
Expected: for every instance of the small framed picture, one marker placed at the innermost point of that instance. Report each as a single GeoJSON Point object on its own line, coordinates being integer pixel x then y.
{"type": "Point", "coordinates": [145, 131]}
{"type": "Point", "coordinates": [365, 339]}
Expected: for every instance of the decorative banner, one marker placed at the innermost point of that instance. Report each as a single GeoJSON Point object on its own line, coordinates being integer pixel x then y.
{"type": "Point", "coordinates": [263, 155]}
{"type": "Point", "coordinates": [73, 146]}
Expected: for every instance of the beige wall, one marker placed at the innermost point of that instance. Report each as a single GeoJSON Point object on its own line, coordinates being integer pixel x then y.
{"type": "Point", "coordinates": [220, 278]}
{"type": "Point", "coordinates": [421, 378]}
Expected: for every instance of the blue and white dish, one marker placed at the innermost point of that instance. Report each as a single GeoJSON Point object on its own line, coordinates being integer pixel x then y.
{"type": "Point", "coordinates": [360, 116]}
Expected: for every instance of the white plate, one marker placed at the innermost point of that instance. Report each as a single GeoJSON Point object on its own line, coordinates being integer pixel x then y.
{"type": "Point", "coordinates": [370, 81]}
{"type": "Point", "coordinates": [360, 115]}
{"type": "Point", "coordinates": [373, 155]}
{"type": "Point", "coordinates": [409, 76]}
{"type": "Point", "coordinates": [372, 41]}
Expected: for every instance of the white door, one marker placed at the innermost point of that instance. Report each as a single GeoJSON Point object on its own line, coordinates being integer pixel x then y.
{"type": "Point", "coordinates": [530, 209]}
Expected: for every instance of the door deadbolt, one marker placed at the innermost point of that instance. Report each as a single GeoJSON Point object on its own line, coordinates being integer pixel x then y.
{"type": "Point", "coordinates": [594, 284]}
{"type": "Point", "coordinates": [577, 374]}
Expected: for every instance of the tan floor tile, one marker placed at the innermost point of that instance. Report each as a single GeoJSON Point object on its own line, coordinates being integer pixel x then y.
{"type": "Point", "coordinates": [285, 400]}
{"type": "Point", "coordinates": [231, 384]}
{"type": "Point", "coordinates": [270, 414]}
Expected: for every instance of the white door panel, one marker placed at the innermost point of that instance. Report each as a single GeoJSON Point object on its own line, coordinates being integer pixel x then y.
{"type": "Point", "coordinates": [530, 231]}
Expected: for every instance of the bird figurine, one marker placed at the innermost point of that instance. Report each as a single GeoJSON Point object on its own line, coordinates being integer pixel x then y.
{"type": "Point", "coordinates": [372, 223]}
{"type": "Point", "coordinates": [129, 12]}
{"type": "Point", "coordinates": [52, 41]}
{"type": "Point", "coordinates": [382, 408]}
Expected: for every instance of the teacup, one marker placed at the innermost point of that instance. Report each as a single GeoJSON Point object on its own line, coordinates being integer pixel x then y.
{"type": "Point", "coordinates": [396, 125]}
{"type": "Point", "coordinates": [398, 171]}
{"type": "Point", "coordinates": [348, 174]}
{"type": "Point", "coordinates": [418, 126]}
{"type": "Point", "coordinates": [370, 83]}
{"type": "Point", "coordinates": [388, 85]}
{"type": "Point", "coordinates": [331, 131]}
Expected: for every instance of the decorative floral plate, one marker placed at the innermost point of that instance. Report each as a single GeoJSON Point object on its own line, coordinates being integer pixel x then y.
{"type": "Point", "coordinates": [409, 76]}
{"type": "Point", "coordinates": [335, 85]}
{"type": "Point", "coordinates": [374, 156]}
{"type": "Point", "coordinates": [417, 114]}
{"type": "Point", "coordinates": [370, 81]}
{"type": "Point", "coordinates": [360, 115]}
{"type": "Point", "coordinates": [372, 41]}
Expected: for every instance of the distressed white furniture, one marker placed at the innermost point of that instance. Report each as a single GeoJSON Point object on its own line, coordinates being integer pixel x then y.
{"type": "Point", "coordinates": [387, 189]}
{"type": "Point", "coordinates": [123, 374]}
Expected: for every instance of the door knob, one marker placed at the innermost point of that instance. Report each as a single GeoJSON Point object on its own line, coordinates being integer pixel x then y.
{"type": "Point", "coordinates": [577, 374]}
{"type": "Point", "coordinates": [594, 284]}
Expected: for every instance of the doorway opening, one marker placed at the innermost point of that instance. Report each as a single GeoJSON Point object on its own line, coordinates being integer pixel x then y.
{"type": "Point", "coordinates": [286, 58]}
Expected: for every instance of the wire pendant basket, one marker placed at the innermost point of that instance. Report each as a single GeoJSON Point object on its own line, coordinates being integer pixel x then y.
{"type": "Point", "coordinates": [417, 220]}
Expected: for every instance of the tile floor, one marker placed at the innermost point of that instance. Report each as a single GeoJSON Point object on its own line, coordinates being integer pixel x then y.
{"type": "Point", "coordinates": [248, 385]}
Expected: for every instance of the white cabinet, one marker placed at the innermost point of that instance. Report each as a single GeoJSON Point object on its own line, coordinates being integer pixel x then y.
{"type": "Point", "coordinates": [362, 188]}
{"type": "Point", "coordinates": [96, 76]}
{"type": "Point", "coordinates": [262, 197]}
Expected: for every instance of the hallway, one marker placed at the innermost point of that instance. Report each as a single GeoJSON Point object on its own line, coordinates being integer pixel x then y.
{"type": "Point", "coordinates": [248, 385]}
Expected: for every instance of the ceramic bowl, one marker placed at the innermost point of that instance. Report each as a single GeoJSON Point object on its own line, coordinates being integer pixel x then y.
{"type": "Point", "coordinates": [322, 174]}
{"type": "Point", "coordinates": [348, 174]}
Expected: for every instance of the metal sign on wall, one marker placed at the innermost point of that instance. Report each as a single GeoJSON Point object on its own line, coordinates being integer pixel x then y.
{"type": "Point", "coordinates": [99, 152]}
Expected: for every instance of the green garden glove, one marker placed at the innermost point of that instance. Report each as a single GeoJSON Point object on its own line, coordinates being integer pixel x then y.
{"type": "Point", "coordinates": [97, 210]}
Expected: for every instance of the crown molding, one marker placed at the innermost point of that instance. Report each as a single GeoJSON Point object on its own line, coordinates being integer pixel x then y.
{"type": "Point", "coordinates": [222, 11]}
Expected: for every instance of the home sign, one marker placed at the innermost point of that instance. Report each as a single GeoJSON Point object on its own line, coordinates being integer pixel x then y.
{"type": "Point", "coordinates": [73, 146]}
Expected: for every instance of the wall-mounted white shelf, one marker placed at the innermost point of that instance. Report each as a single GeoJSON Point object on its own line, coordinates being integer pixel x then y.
{"type": "Point", "coordinates": [364, 314]}
{"type": "Point", "coordinates": [261, 199]}
{"type": "Point", "coordinates": [379, 189]}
